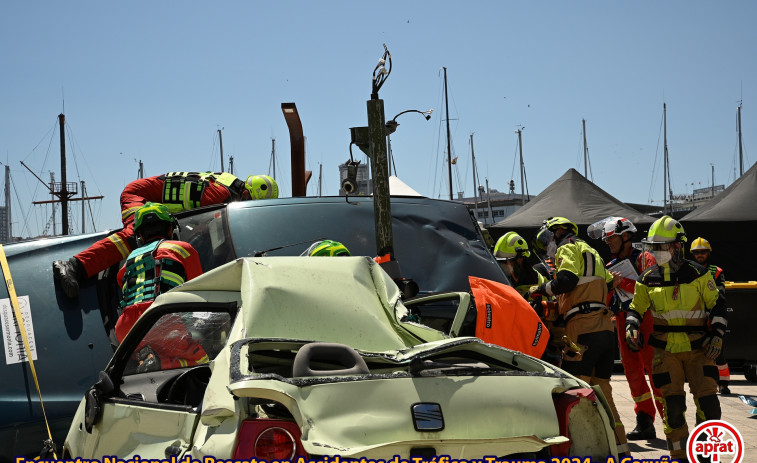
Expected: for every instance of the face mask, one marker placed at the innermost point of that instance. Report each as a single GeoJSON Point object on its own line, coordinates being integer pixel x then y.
{"type": "Point", "coordinates": [552, 249]}
{"type": "Point", "coordinates": [662, 257]}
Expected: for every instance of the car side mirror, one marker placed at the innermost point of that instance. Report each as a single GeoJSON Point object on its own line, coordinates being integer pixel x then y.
{"type": "Point", "coordinates": [93, 400]}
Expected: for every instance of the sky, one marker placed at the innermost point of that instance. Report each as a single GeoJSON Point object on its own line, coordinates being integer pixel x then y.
{"type": "Point", "coordinates": [155, 81]}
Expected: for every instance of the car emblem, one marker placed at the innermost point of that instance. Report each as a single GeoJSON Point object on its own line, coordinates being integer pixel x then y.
{"type": "Point", "coordinates": [427, 417]}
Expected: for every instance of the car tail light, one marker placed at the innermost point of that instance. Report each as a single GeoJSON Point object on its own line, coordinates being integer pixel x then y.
{"type": "Point", "coordinates": [564, 403]}
{"type": "Point", "coordinates": [269, 440]}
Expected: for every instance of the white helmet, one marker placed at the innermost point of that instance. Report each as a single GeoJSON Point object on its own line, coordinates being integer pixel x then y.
{"type": "Point", "coordinates": [610, 226]}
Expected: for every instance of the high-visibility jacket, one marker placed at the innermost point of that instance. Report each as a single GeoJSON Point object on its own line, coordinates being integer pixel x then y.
{"type": "Point", "coordinates": [149, 271]}
{"type": "Point", "coordinates": [680, 303]}
{"type": "Point", "coordinates": [528, 278]}
{"type": "Point", "coordinates": [504, 318]}
{"type": "Point", "coordinates": [580, 282]}
{"type": "Point", "coordinates": [185, 190]}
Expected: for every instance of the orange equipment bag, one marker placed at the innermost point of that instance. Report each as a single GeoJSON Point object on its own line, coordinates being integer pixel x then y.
{"type": "Point", "coordinates": [504, 318]}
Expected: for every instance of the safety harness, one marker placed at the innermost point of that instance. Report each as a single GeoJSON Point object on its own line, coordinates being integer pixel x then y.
{"type": "Point", "coordinates": [146, 276]}
{"type": "Point", "coordinates": [184, 190]}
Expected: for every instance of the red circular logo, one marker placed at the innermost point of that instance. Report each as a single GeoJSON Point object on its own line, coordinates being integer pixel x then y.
{"type": "Point", "coordinates": [715, 441]}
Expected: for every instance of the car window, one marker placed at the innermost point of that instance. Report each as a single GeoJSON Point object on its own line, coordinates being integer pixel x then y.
{"type": "Point", "coordinates": [436, 243]}
{"type": "Point", "coordinates": [179, 340]}
{"type": "Point", "coordinates": [208, 233]}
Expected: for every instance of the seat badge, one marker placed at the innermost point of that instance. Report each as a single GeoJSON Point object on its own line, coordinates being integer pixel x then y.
{"type": "Point", "coordinates": [427, 417]}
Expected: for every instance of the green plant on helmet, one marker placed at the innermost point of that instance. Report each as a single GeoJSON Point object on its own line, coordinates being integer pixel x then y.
{"type": "Point", "coordinates": [510, 246]}
{"type": "Point", "coordinates": [151, 213]}
{"type": "Point", "coordinates": [560, 222]}
{"type": "Point", "coordinates": [327, 248]}
{"type": "Point", "coordinates": [262, 187]}
{"type": "Point", "coordinates": [665, 230]}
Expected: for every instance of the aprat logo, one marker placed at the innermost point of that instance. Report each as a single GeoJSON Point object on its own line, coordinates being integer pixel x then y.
{"type": "Point", "coordinates": [715, 441]}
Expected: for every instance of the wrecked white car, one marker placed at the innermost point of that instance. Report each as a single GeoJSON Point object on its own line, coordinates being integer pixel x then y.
{"type": "Point", "coordinates": [278, 357]}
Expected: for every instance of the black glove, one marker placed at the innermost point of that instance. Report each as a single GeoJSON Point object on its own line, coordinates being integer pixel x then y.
{"type": "Point", "coordinates": [713, 345]}
{"type": "Point", "coordinates": [634, 339]}
{"type": "Point", "coordinates": [148, 360]}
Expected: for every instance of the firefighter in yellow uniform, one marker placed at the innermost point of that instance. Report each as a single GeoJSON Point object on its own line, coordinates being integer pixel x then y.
{"type": "Point", "coordinates": [682, 298]}
{"type": "Point", "coordinates": [581, 286]}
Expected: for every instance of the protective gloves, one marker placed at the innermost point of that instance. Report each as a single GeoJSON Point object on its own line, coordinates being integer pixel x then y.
{"type": "Point", "coordinates": [633, 335]}
{"type": "Point", "coordinates": [713, 344]}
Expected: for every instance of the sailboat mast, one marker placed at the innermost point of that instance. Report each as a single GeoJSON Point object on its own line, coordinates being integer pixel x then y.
{"type": "Point", "coordinates": [665, 160]}
{"type": "Point", "coordinates": [8, 222]}
{"type": "Point", "coordinates": [489, 200]}
{"type": "Point", "coordinates": [522, 175]}
{"type": "Point", "coordinates": [475, 187]}
{"type": "Point", "coordinates": [63, 185]}
{"type": "Point", "coordinates": [586, 151]}
{"type": "Point", "coordinates": [220, 144]}
{"type": "Point", "coordinates": [741, 150]}
{"type": "Point", "coordinates": [449, 149]}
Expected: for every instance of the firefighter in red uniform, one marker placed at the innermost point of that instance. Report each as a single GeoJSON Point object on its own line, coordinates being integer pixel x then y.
{"type": "Point", "coordinates": [152, 269]}
{"type": "Point", "coordinates": [179, 191]}
{"type": "Point", "coordinates": [617, 232]}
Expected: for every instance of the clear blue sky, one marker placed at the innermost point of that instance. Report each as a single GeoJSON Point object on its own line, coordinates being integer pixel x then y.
{"type": "Point", "coordinates": [154, 81]}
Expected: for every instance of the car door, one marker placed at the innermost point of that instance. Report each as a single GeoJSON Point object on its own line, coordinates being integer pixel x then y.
{"type": "Point", "coordinates": [148, 400]}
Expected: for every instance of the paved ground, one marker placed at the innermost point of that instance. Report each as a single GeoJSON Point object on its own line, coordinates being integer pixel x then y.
{"type": "Point", "coordinates": [734, 412]}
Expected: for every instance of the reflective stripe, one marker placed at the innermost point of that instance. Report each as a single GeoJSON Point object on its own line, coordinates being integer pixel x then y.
{"type": "Point", "coordinates": [592, 305]}
{"type": "Point", "coordinates": [679, 315]}
{"type": "Point", "coordinates": [585, 280]}
{"type": "Point", "coordinates": [719, 320]}
{"type": "Point", "coordinates": [128, 212]}
{"type": "Point", "coordinates": [175, 278]}
{"type": "Point", "coordinates": [622, 448]}
{"type": "Point", "coordinates": [180, 250]}
{"type": "Point", "coordinates": [643, 397]}
{"type": "Point", "coordinates": [122, 247]}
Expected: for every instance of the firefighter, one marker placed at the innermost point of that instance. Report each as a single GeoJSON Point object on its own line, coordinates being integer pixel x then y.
{"type": "Point", "coordinates": [158, 265]}
{"type": "Point", "coordinates": [701, 250]}
{"type": "Point", "coordinates": [512, 254]}
{"type": "Point", "coordinates": [581, 285]}
{"type": "Point", "coordinates": [178, 191]}
{"type": "Point", "coordinates": [689, 320]}
{"type": "Point", "coordinates": [617, 233]}
{"type": "Point", "coordinates": [155, 267]}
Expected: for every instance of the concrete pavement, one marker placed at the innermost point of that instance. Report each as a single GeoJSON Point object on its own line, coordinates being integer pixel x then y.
{"type": "Point", "coordinates": [734, 411]}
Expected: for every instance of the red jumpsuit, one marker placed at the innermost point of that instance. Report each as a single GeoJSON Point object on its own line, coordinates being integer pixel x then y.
{"type": "Point", "coordinates": [637, 365]}
{"type": "Point", "coordinates": [186, 265]}
{"type": "Point", "coordinates": [116, 247]}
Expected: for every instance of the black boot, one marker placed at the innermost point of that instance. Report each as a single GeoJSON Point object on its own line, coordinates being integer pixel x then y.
{"type": "Point", "coordinates": [723, 387]}
{"type": "Point", "coordinates": [69, 273]}
{"type": "Point", "coordinates": [644, 428]}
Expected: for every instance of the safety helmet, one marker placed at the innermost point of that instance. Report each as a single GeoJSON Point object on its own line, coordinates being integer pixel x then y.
{"type": "Point", "coordinates": [542, 239]}
{"type": "Point", "coordinates": [327, 248]}
{"type": "Point", "coordinates": [665, 230]}
{"type": "Point", "coordinates": [554, 222]}
{"type": "Point", "coordinates": [152, 213]}
{"type": "Point", "coordinates": [262, 187]}
{"type": "Point", "coordinates": [510, 246]}
{"type": "Point", "coordinates": [610, 226]}
{"type": "Point", "coordinates": [700, 244]}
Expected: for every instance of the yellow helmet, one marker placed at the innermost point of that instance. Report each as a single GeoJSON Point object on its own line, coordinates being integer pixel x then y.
{"type": "Point", "coordinates": [701, 244]}
{"type": "Point", "coordinates": [665, 230]}
{"type": "Point", "coordinates": [510, 246]}
{"type": "Point", "coordinates": [262, 187]}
